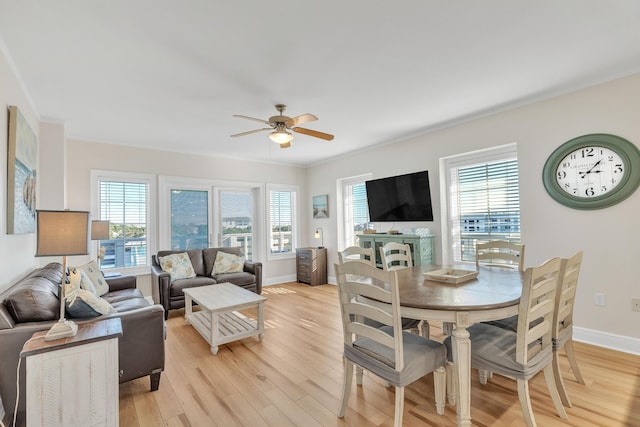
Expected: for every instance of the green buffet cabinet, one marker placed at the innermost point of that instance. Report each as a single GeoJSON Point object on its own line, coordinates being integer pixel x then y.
{"type": "Point", "coordinates": [422, 247]}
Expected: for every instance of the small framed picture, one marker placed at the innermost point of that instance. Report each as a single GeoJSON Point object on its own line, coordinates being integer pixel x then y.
{"type": "Point", "coordinates": [321, 206]}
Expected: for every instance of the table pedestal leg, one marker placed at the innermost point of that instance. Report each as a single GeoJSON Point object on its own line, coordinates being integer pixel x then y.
{"type": "Point", "coordinates": [461, 345]}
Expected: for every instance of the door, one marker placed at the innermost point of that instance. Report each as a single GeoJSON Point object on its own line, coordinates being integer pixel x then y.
{"type": "Point", "coordinates": [235, 219]}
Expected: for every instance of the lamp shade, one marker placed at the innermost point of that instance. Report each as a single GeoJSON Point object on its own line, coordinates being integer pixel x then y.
{"type": "Point", "coordinates": [63, 233]}
{"type": "Point", "coordinates": [99, 230]}
{"type": "Point", "coordinates": [281, 136]}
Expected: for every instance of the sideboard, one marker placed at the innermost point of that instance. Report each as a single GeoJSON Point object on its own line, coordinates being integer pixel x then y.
{"type": "Point", "coordinates": [422, 247]}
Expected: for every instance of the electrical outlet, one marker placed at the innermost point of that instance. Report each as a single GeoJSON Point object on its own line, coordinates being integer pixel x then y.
{"type": "Point", "coordinates": [635, 304]}
{"type": "Point", "coordinates": [599, 299]}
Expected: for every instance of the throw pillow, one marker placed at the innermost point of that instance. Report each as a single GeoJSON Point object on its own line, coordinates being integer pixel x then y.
{"type": "Point", "coordinates": [178, 265]}
{"type": "Point", "coordinates": [227, 263]}
{"type": "Point", "coordinates": [92, 279]}
{"type": "Point", "coordinates": [81, 303]}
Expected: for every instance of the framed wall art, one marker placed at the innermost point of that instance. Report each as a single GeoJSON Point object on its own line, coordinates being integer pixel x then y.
{"type": "Point", "coordinates": [321, 206]}
{"type": "Point", "coordinates": [22, 164]}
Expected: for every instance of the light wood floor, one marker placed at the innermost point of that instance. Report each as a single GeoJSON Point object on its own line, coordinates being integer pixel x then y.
{"type": "Point", "coordinates": [294, 378]}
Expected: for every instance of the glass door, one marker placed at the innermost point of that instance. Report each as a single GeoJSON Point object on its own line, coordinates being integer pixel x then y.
{"type": "Point", "coordinates": [189, 219]}
{"type": "Point", "coordinates": [234, 225]}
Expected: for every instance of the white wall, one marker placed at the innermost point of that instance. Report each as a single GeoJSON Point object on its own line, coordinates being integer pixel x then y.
{"type": "Point", "coordinates": [16, 250]}
{"type": "Point", "coordinates": [608, 237]}
{"type": "Point", "coordinates": [84, 156]}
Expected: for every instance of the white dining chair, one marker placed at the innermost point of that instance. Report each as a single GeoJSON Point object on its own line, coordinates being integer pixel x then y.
{"type": "Point", "coordinates": [398, 357]}
{"type": "Point", "coordinates": [357, 254]}
{"type": "Point", "coordinates": [395, 256]}
{"type": "Point", "coordinates": [523, 353]}
{"type": "Point", "coordinates": [500, 253]}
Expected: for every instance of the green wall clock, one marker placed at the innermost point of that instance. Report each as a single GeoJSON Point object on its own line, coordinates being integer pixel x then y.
{"type": "Point", "coordinates": [592, 171]}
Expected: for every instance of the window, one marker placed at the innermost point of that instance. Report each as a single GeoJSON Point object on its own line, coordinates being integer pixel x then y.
{"type": "Point", "coordinates": [355, 211]}
{"type": "Point", "coordinates": [124, 201]}
{"type": "Point", "coordinates": [282, 221]}
{"type": "Point", "coordinates": [483, 200]}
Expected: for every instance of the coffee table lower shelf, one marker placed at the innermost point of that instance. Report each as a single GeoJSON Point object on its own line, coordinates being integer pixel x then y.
{"type": "Point", "coordinates": [222, 328]}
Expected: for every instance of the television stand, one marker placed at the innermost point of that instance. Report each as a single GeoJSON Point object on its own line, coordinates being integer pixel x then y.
{"type": "Point", "coordinates": [422, 247]}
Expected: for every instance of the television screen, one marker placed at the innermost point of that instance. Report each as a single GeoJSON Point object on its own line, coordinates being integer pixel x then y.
{"type": "Point", "coordinates": [400, 198]}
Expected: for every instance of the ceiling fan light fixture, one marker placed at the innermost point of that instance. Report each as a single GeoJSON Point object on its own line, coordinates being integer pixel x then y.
{"type": "Point", "coordinates": [281, 136]}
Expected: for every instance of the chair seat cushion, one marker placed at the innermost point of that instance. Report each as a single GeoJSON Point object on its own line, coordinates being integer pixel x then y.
{"type": "Point", "coordinates": [180, 284]}
{"type": "Point", "coordinates": [494, 349]}
{"type": "Point", "coordinates": [421, 356]}
{"type": "Point", "coordinates": [240, 279]}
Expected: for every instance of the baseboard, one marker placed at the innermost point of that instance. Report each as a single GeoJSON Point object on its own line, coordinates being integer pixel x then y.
{"type": "Point", "coordinates": [607, 340]}
{"type": "Point", "coordinates": [279, 280]}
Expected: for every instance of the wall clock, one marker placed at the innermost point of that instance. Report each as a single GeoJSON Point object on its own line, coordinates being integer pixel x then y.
{"type": "Point", "coordinates": [592, 171]}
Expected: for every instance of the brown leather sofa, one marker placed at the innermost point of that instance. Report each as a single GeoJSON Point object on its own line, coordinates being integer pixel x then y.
{"type": "Point", "coordinates": [32, 304]}
{"type": "Point", "coordinates": [170, 294]}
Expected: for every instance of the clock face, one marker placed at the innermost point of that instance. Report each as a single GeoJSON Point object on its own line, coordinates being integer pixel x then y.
{"type": "Point", "coordinates": [590, 171]}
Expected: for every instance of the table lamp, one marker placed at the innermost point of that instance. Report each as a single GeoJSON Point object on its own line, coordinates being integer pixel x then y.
{"type": "Point", "coordinates": [62, 233]}
{"type": "Point", "coordinates": [100, 231]}
{"type": "Point", "coordinates": [319, 234]}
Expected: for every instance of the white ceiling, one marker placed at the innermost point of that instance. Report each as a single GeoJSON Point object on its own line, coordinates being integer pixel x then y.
{"type": "Point", "coordinates": [170, 74]}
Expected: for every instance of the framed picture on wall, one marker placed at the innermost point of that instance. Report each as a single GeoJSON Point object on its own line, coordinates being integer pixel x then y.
{"type": "Point", "coordinates": [22, 165]}
{"type": "Point", "coordinates": [321, 206]}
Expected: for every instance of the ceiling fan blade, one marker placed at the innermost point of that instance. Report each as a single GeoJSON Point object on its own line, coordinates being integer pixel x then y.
{"type": "Point", "coordinates": [285, 145]}
{"type": "Point", "coordinates": [301, 119]}
{"type": "Point", "coordinates": [251, 118]}
{"type": "Point", "coordinates": [250, 132]}
{"type": "Point", "coordinates": [315, 133]}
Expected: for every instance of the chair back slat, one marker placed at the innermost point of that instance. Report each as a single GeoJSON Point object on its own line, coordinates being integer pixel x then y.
{"type": "Point", "coordinates": [369, 293]}
{"type": "Point", "coordinates": [537, 302]}
{"type": "Point", "coordinates": [500, 253]}
{"type": "Point", "coordinates": [565, 298]}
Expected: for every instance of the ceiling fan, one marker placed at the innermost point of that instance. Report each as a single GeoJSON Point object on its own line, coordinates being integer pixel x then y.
{"type": "Point", "coordinates": [281, 125]}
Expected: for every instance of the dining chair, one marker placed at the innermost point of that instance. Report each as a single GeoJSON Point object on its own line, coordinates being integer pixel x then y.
{"type": "Point", "coordinates": [357, 254]}
{"type": "Point", "coordinates": [500, 253]}
{"type": "Point", "coordinates": [562, 334]}
{"type": "Point", "coordinates": [395, 256]}
{"type": "Point", "coordinates": [398, 357]}
{"type": "Point", "coordinates": [523, 353]}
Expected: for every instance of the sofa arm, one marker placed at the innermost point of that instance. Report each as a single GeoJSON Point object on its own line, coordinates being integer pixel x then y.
{"type": "Point", "coordinates": [160, 286]}
{"type": "Point", "coordinates": [255, 268]}
{"type": "Point", "coordinates": [122, 282]}
{"type": "Point", "coordinates": [142, 342]}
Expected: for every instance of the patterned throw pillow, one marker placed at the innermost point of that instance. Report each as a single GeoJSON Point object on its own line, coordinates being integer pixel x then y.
{"type": "Point", "coordinates": [178, 265]}
{"type": "Point", "coordinates": [92, 278]}
{"type": "Point", "coordinates": [227, 263]}
{"type": "Point", "coordinates": [81, 303]}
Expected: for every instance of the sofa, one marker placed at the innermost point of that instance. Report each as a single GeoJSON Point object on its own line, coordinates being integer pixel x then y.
{"type": "Point", "coordinates": [169, 293]}
{"type": "Point", "coordinates": [32, 304]}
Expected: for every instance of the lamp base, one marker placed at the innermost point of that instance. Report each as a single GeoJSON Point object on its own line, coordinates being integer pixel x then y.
{"type": "Point", "coordinates": [62, 329]}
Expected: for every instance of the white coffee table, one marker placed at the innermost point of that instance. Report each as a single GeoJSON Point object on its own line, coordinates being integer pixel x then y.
{"type": "Point", "coordinates": [218, 321]}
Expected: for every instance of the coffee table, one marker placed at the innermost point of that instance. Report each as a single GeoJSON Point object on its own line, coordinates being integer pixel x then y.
{"type": "Point", "coordinates": [219, 322]}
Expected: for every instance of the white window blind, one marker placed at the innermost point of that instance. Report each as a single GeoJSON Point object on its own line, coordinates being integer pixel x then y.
{"type": "Point", "coordinates": [125, 205]}
{"type": "Point", "coordinates": [484, 205]}
{"type": "Point", "coordinates": [281, 219]}
{"type": "Point", "coordinates": [356, 211]}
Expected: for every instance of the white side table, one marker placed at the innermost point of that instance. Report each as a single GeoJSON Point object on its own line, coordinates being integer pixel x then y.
{"type": "Point", "coordinates": [74, 381]}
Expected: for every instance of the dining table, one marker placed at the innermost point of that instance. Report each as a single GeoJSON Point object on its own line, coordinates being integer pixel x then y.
{"type": "Point", "coordinates": [493, 294]}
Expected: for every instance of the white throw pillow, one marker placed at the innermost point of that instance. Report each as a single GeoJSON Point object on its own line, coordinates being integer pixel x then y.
{"type": "Point", "coordinates": [92, 278]}
{"type": "Point", "coordinates": [227, 263]}
{"type": "Point", "coordinates": [178, 265]}
{"type": "Point", "coordinates": [80, 302]}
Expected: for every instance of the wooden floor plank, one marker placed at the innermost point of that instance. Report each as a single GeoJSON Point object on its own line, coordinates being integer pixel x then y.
{"type": "Point", "coordinates": [294, 378]}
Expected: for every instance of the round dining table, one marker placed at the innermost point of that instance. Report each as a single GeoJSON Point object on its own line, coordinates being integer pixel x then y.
{"type": "Point", "coordinates": [493, 294]}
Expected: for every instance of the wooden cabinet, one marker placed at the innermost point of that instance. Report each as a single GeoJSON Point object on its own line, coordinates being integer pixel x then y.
{"type": "Point", "coordinates": [311, 265]}
{"type": "Point", "coordinates": [74, 381]}
{"type": "Point", "coordinates": [422, 247]}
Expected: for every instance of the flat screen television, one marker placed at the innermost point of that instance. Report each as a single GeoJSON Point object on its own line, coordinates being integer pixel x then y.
{"type": "Point", "coordinates": [400, 198]}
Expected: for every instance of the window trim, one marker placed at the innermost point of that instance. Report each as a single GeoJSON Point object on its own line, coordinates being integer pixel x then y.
{"type": "Point", "coordinates": [485, 155]}
{"type": "Point", "coordinates": [150, 180]}
{"type": "Point", "coordinates": [295, 220]}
